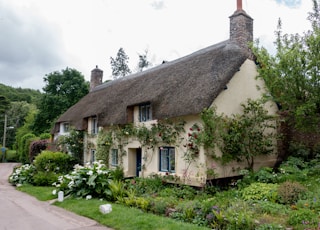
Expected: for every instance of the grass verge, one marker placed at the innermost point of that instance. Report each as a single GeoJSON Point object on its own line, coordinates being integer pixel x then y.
{"type": "Point", "coordinates": [121, 217]}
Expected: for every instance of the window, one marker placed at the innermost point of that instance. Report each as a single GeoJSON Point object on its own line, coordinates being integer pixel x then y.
{"type": "Point", "coordinates": [93, 155]}
{"type": "Point", "coordinates": [167, 159]}
{"type": "Point", "coordinates": [145, 112]}
{"type": "Point", "coordinates": [66, 127]}
{"type": "Point", "coordinates": [114, 157]}
{"type": "Point", "coordinates": [94, 126]}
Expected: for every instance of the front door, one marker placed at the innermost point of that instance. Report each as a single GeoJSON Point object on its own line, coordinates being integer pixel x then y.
{"type": "Point", "coordinates": [138, 160]}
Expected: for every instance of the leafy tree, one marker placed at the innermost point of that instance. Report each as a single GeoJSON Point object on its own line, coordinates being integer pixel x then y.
{"type": "Point", "coordinates": [16, 118]}
{"type": "Point", "coordinates": [143, 61]}
{"type": "Point", "coordinates": [4, 104]}
{"type": "Point", "coordinates": [292, 74]}
{"type": "Point", "coordinates": [73, 144]}
{"type": "Point", "coordinates": [62, 90]}
{"type": "Point", "coordinates": [119, 65]}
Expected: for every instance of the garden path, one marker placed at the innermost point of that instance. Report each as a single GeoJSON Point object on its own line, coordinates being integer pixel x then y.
{"type": "Point", "coordinates": [19, 210]}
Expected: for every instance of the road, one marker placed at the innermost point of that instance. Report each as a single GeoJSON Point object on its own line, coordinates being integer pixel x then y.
{"type": "Point", "coordinates": [19, 210]}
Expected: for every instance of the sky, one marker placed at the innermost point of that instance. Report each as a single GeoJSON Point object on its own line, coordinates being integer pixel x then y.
{"type": "Point", "coordinates": [38, 37]}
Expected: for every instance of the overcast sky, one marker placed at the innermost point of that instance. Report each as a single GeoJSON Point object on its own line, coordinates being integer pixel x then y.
{"type": "Point", "coordinates": [41, 36]}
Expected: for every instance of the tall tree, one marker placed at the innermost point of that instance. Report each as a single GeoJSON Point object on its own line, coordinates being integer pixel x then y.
{"type": "Point", "coordinates": [293, 73]}
{"type": "Point", "coordinates": [119, 64]}
{"type": "Point", "coordinates": [143, 61]}
{"type": "Point", "coordinates": [62, 90]}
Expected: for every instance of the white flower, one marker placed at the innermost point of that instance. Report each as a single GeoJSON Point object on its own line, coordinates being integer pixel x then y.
{"type": "Point", "coordinates": [54, 192]}
{"type": "Point", "coordinates": [88, 197]}
{"type": "Point", "coordinates": [90, 172]}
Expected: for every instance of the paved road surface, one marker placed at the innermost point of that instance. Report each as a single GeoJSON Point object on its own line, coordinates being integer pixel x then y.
{"type": "Point", "coordinates": [19, 211]}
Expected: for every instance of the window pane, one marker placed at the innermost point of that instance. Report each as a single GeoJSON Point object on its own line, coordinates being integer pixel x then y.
{"type": "Point", "coordinates": [114, 157]}
{"type": "Point", "coordinates": [164, 160]}
{"type": "Point", "coordinates": [172, 157]}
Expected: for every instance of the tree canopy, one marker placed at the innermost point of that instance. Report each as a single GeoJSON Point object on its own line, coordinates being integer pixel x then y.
{"type": "Point", "coordinates": [119, 65]}
{"type": "Point", "coordinates": [62, 90]}
{"type": "Point", "coordinates": [292, 74]}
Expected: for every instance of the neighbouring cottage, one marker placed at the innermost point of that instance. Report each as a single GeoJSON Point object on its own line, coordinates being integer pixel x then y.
{"type": "Point", "coordinates": [162, 104]}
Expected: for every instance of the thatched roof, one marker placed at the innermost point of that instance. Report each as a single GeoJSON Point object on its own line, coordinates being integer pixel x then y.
{"type": "Point", "coordinates": [182, 87]}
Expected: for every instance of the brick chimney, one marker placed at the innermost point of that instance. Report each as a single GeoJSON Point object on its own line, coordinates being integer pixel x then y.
{"type": "Point", "coordinates": [96, 78]}
{"type": "Point", "coordinates": [241, 27]}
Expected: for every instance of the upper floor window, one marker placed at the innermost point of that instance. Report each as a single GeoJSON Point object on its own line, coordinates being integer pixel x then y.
{"type": "Point", "coordinates": [94, 125]}
{"type": "Point", "coordinates": [167, 159]}
{"type": "Point", "coordinates": [66, 127]}
{"type": "Point", "coordinates": [145, 112]}
{"type": "Point", "coordinates": [114, 157]}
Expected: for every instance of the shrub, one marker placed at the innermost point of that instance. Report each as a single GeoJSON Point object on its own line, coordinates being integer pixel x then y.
{"type": "Point", "coordinates": [290, 192]}
{"type": "Point", "coordinates": [44, 178]}
{"type": "Point", "coordinates": [36, 147]}
{"type": "Point", "coordinates": [86, 180]}
{"type": "Point", "coordinates": [22, 174]}
{"type": "Point", "coordinates": [57, 162]}
{"type": "Point", "coordinates": [303, 218]}
{"type": "Point", "coordinates": [12, 156]}
{"type": "Point", "coordinates": [260, 191]}
{"type": "Point", "coordinates": [23, 147]}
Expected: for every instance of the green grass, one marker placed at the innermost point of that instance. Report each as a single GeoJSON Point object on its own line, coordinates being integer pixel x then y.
{"type": "Point", "coordinates": [122, 217]}
{"type": "Point", "coordinates": [40, 192]}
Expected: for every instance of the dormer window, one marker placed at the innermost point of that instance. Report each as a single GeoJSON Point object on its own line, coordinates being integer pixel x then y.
{"type": "Point", "coordinates": [145, 112]}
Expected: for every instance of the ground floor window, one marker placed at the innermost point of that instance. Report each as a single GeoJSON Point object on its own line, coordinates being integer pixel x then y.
{"type": "Point", "coordinates": [114, 157]}
{"type": "Point", "coordinates": [167, 159]}
{"type": "Point", "coordinates": [92, 155]}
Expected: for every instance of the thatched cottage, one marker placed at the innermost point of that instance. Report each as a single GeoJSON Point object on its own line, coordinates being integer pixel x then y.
{"type": "Point", "coordinates": [222, 75]}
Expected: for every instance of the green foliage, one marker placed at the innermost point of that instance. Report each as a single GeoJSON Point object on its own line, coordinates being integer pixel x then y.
{"type": "Point", "coordinates": [41, 178]}
{"type": "Point", "coordinates": [290, 192]}
{"type": "Point", "coordinates": [17, 114]}
{"type": "Point", "coordinates": [119, 65]}
{"type": "Point", "coordinates": [62, 90]}
{"type": "Point", "coordinates": [11, 156]}
{"type": "Point", "coordinates": [260, 191]}
{"type": "Point", "coordinates": [104, 144]}
{"type": "Point", "coordinates": [86, 180]}
{"type": "Point", "coordinates": [117, 189]}
{"type": "Point", "coordinates": [240, 137]}
{"type": "Point", "coordinates": [25, 128]}
{"type": "Point", "coordinates": [292, 74]}
{"type": "Point", "coordinates": [30, 96]}
{"type": "Point", "coordinates": [249, 134]}
{"type": "Point", "coordinates": [24, 144]}
{"type": "Point", "coordinates": [73, 144]}
{"type": "Point", "coordinates": [304, 219]}
{"type": "Point", "coordinates": [57, 162]}
{"type": "Point", "coordinates": [117, 173]}
{"type": "Point", "coordinates": [22, 175]}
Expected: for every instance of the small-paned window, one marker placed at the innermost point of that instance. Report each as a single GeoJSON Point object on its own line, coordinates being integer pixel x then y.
{"type": "Point", "coordinates": [94, 125]}
{"type": "Point", "coordinates": [167, 159]}
{"type": "Point", "coordinates": [66, 127]}
{"type": "Point", "coordinates": [145, 112]}
{"type": "Point", "coordinates": [93, 155]}
{"type": "Point", "coordinates": [114, 157]}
